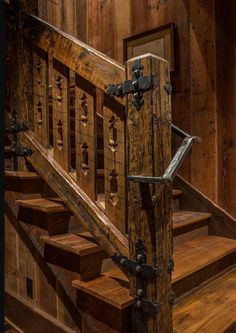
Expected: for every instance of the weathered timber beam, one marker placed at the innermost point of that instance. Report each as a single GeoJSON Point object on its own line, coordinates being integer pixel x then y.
{"type": "Point", "coordinates": [106, 234]}
{"type": "Point", "coordinates": [91, 64]}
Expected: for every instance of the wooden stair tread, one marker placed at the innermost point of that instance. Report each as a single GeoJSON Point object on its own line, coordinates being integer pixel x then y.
{"type": "Point", "coordinates": [80, 244]}
{"type": "Point", "coordinates": [43, 205]}
{"type": "Point", "coordinates": [22, 175]}
{"type": "Point", "coordinates": [197, 253]}
{"type": "Point", "coordinates": [189, 257]}
{"type": "Point", "coordinates": [186, 218]}
{"type": "Point", "coordinates": [176, 193]}
{"type": "Point", "coordinates": [111, 287]}
{"type": "Point", "coordinates": [210, 309]}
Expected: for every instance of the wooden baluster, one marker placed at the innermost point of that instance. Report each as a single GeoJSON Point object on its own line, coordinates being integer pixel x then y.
{"type": "Point", "coordinates": [61, 124]}
{"type": "Point", "coordinates": [149, 213]}
{"type": "Point", "coordinates": [114, 162]}
{"type": "Point", "coordinates": [85, 127]}
{"type": "Point", "coordinates": [40, 86]}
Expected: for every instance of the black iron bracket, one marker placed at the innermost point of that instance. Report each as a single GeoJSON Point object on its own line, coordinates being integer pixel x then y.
{"type": "Point", "coordinates": [16, 127]}
{"type": "Point", "coordinates": [19, 150]}
{"type": "Point", "coordinates": [137, 85]}
{"type": "Point", "coordinates": [142, 272]}
{"type": "Point", "coordinates": [176, 162]}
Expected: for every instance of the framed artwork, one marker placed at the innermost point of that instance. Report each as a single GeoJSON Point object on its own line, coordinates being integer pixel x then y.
{"type": "Point", "coordinates": [159, 41]}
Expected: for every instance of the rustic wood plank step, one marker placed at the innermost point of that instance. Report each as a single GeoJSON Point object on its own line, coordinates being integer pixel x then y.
{"type": "Point", "coordinates": [186, 221]}
{"type": "Point", "coordinates": [25, 182]}
{"type": "Point", "coordinates": [76, 252]}
{"type": "Point", "coordinates": [200, 259]}
{"type": "Point", "coordinates": [210, 309]}
{"type": "Point", "coordinates": [195, 262]}
{"type": "Point", "coordinates": [47, 214]}
{"type": "Point", "coordinates": [107, 299]}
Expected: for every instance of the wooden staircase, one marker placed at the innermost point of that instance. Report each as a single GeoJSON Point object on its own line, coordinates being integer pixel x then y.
{"type": "Point", "coordinates": [203, 279]}
{"type": "Point", "coordinates": [80, 205]}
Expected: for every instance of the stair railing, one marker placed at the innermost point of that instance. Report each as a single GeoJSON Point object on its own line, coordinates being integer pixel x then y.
{"type": "Point", "coordinates": [81, 106]}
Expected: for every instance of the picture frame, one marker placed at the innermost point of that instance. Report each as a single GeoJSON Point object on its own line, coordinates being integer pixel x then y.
{"type": "Point", "coordinates": [159, 41]}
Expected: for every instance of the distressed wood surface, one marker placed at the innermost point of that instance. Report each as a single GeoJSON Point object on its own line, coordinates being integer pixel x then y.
{"type": "Point", "coordinates": [107, 235]}
{"type": "Point", "coordinates": [94, 66]}
{"type": "Point", "coordinates": [114, 163]}
{"type": "Point", "coordinates": [61, 121]}
{"type": "Point", "coordinates": [85, 136]}
{"type": "Point", "coordinates": [149, 213]}
{"type": "Point", "coordinates": [40, 86]}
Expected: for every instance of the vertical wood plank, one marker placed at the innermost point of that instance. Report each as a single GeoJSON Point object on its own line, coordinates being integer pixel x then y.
{"type": "Point", "coordinates": [203, 95]}
{"type": "Point", "coordinates": [149, 213]}
{"type": "Point", "coordinates": [11, 260]}
{"type": "Point", "coordinates": [81, 20]}
{"type": "Point", "coordinates": [93, 24]}
{"type": "Point", "coordinates": [107, 11]}
{"type": "Point", "coordinates": [121, 26]}
{"type": "Point", "coordinates": [68, 12]}
{"type": "Point", "coordinates": [85, 128]}
{"type": "Point", "coordinates": [40, 86]}
{"type": "Point", "coordinates": [114, 163]}
{"type": "Point", "coordinates": [61, 124]}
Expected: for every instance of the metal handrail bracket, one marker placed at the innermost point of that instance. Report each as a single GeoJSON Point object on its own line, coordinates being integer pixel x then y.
{"type": "Point", "coordinates": [175, 163]}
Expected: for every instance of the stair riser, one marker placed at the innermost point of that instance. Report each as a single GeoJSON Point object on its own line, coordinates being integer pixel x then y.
{"type": "Point", "coordinates": [175, 204]}
{"type": "Point", "coordinates": [192, 234]}
{"type": "Point", "coordinates": [24, 186]}
{"type": "Point", "coordinates": [116, 321]}
{"type": "Point", "coordinates": [88, 266]}
{"type": "Point", "coordinates": [202, 275]}
{"type": "Point", "coordinates": [54, 223]}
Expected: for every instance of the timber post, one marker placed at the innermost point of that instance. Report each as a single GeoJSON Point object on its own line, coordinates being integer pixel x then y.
{"type": "Point", "coordinates": [149, 212]}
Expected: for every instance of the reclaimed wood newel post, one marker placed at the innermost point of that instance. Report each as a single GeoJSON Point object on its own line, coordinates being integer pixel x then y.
{"type": "Point", "coordinates": [149, 213]}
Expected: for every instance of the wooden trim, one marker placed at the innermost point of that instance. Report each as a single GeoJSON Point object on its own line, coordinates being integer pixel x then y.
{"type": "Point", "coordinates": [30, 318]}
{"type": "Point", "coordinates": [221, 223]}
{"type": "Point", "coordinates": [91, 64]}
{"type": "Point", "coordinates": [107, 235]}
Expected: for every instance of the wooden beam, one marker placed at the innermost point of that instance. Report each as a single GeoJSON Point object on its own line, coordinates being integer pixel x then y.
{"type": "Point", "coordinates": [91, 64]}
{"type": "Point", "coordinates": [149, 213]}
{"type": "Point", "coordinates": [107, 235]}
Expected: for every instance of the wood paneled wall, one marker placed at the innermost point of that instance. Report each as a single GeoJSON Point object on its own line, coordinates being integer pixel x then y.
{"type": "Point", "coordinates": [202, 102]}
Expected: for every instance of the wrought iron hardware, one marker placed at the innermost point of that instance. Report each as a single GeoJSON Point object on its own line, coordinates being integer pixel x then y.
{"type": "Point", "coordinates": [135, 267]}
{"type": "Point", "coordinates": [176, 162]}
{"type": "Point", "coordinates": [171, 265]}
{"type": "Point", "coordinates": [147, 306]}
{"type": "Point", "coordinates": [137, 85]}
{"type": "Point", "coordinates": [16, 127]}
{"type": "Point", "coordinates": [18, 150]}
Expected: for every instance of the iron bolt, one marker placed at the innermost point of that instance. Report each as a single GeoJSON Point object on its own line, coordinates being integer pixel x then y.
{"type": "Point", "coordinates": [122, 262]}
{"type": "Point", "coordinates": [138, 268]}
{"type": "Point", "coordinates": [140, 257]}
{"type": "Point", "coordinates": [138, 304]}
{"type": "Point", "coordinates": [140, 292]}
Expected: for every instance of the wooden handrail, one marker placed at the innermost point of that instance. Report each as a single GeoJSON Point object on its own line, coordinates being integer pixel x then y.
{"type": "Point", "coordinates": [106, 234]}
{"type": "Point", "coordinates": [84, 60]}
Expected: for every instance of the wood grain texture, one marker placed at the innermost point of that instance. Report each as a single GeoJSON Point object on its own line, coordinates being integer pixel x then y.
{"type": "Point", "coordinates": [61, 121]}
{"type": "Point", "coordinates": [211, 309]}
{"type": "Point", "coordinates": [149, 155]}
{"type": "Point", "coordinates": [203, 96]}
{"type": "Point", "coordinates": [40, 87]}
{"type": "Point", "coordinates": [80, 204]}
{"type": "Point", "coordinates": [221, 223]}
{"type": "Point", "coordinates": [27, 317]}
{"type": "Point", "coordinates": [85, 136]}
{"type": "Point", "coordinates": [114, 163]}
{"type": "Point", "coordinates": [79, 57]}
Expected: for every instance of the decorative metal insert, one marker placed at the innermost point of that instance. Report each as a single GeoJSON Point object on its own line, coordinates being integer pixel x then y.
{"type": "Point", "coordinates": [137, 85]}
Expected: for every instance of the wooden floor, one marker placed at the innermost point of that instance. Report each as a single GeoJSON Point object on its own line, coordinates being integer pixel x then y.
{"type": "Point", "coordinates": [209, 310]}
